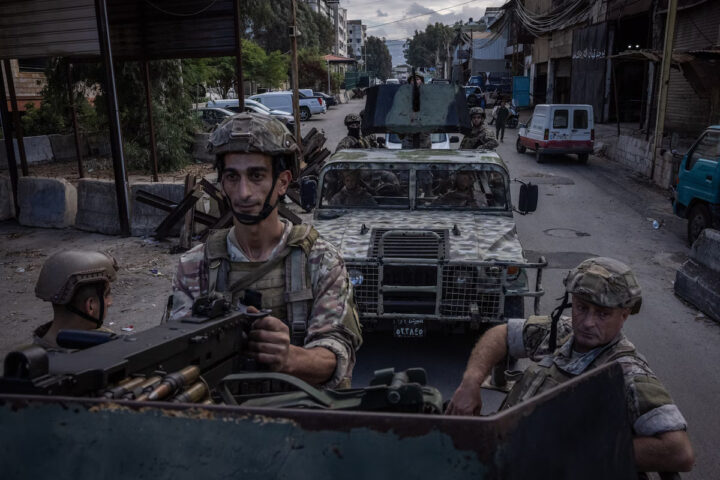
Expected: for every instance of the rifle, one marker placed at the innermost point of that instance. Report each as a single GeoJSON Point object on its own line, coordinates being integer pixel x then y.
{"type": "Point", "coordinates": [182, 361]}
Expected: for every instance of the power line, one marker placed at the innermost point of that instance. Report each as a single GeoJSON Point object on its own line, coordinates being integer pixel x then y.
{"type": "Point", "coordinates": [422, 14]}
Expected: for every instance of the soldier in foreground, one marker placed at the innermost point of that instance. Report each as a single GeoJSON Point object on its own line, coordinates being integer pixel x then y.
{"type": "Point", "coordinates": [604, 293]}
{"type": "Point", "coordinates": [480, 137]}
{"type": "Point", "coordinates": [354, 138]}
{"type": "Point", "coordinates": [77, 283]}
{"type": "Point", "coordinates": [313, 329]}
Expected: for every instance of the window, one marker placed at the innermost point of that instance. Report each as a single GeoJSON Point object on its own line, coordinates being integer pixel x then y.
{"type": "Point", "coordinates": [366, 188]}
{"type": "Point", "coordinates": [560, 119]}
{"type": "Point", "coordinates": [33, 64]}
{"type": "Point", "coordinates": [580, 119]}
{"type": "Point", "coordinates": [461, 189]}
{"type": "Point", "coordinates": [707, 148]}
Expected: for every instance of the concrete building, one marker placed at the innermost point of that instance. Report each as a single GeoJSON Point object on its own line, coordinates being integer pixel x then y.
{"type": "Point", "coordinates": [321, 6]}
{"type": "Point", "coordinates": [340, 25]}
{"type": "Point", "coordinates": [28, 77]}
{"type": "Point", "coordinates": [491, 14]}
{"type": "Point", "coordinates": [357, 35]}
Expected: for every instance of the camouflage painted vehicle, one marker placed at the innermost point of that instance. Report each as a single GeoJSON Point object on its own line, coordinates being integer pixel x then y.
{"type": "Point", "coordinates": [428, 238]}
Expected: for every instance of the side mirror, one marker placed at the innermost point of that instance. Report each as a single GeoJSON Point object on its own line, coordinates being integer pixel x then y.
{"type": "Point", "coordinates": [454, 139]}
{"type": "Point", "coordinates": [308, 193]}
{"type": "Point", "coordinates": [528, 198]}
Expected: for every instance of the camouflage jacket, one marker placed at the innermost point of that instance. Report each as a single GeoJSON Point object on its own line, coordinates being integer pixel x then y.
{"type": "Point", "coordinates": [651, 409]}
{"type": "Point", "coordinates": [333, 317]}
{"type": "Point", "coordinates": [480, 137]}
{"type": "Point", "coordinates": [352, 142]}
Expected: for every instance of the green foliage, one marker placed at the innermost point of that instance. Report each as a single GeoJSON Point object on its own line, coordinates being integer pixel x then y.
{"type": "Point", "coordinates": [429, 48]}
{"type": "Point", "coordinates": [378, 57]}
{"type": "Point", "coordinates": [312, 70]}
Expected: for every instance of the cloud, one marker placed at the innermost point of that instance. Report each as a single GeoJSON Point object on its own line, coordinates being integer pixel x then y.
{"type": "Point", "coordinates": [380, 13]}
{"type": "Point", "coordinates": [417, 9]}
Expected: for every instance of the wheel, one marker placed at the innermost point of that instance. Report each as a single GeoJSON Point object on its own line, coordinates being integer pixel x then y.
{"type": "Point", "coordinates": [305, 114]}
{"type": "Point", "coordinates": [539, 157]}
{"type": "Point", "coordinates": [583, 157]}
{"type": "Point", "coordinates": [698, 220]}
{"type": "Point", "coordinates": [519, 146]}
{"type": "Point", "coordinates": [514, 307]}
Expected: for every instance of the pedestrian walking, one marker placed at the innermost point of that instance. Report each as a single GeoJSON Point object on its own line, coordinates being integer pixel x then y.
{"type": "Point", "coordinates": [501, 116]}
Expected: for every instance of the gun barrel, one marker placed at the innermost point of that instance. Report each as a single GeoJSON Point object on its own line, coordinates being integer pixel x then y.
{"type": "Point", "coordinates": [174, 382]}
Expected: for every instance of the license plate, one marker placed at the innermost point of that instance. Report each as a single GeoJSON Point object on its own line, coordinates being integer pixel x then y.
{"type": "Point", "coordinates": [409, 328]}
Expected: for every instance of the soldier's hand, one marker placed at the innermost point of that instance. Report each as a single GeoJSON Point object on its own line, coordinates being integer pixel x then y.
{"type": "Point", "coordinates": [269, 342]}
{"type": "Point", "coordinates": [466, 400]}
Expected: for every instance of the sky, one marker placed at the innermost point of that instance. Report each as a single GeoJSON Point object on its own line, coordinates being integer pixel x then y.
{"type": "Point", "coordinates": [374, 13]}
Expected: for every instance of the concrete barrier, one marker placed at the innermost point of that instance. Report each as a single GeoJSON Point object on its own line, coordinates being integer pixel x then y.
{"type": "Point", "coordinates": [145, 219]}
{"type": "Point", "coordinates": [7, 205]}
{"type": "Point", "coordinates": [698, 280]}
{"type": "Point", "coordinates": [37, 150]}
{"type": "Point", "coordinates": [46, 202]}
{"type": "Point", "coordinates": [63, 147]}
{"type": "Point", "coordinates": [97, 207]}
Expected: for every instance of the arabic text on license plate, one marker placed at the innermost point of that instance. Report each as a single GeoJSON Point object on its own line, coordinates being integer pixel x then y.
{"type": "Point", "coordinates": [409, 328]}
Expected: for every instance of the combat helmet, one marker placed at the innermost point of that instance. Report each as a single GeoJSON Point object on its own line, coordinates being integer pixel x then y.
{"type": "Point", "coordinates": [352, 118]}
{"type": "Point", "coordinates": [63, 273]}
{"type": "Point", "coordinates": [606, 282]}
{"type": "Point", "coordinates": [477, 111]}
{"type": "Point", "coordinates": [255, 132]}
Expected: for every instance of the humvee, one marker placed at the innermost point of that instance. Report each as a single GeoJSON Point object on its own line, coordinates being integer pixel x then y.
{"type": "Point", "coordinates": [428, 238]}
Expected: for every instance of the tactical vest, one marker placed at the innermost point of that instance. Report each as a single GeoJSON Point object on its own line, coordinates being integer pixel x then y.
{"type": "Point", "coordinates": [284, 280]}
{"type": "Point", "coordinates": [544, 375]}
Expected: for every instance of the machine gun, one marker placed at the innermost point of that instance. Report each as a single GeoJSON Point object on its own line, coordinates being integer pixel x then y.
{"type": "Point", "coordinates": [179, 361]}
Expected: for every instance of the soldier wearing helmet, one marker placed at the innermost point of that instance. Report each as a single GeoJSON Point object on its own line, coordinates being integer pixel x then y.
{"type": "Point", "coordinates": [77, 283]}
{"type": "Point", "coordinates": [354, 138]}
{"type": "Point", "coordinates": [313, 330]}
{"type": "Point", "coordinates": [604, 292]}
{"type": "Point", "coordinates": [480, 136]}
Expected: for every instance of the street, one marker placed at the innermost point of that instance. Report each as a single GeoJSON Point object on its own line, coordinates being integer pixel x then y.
{"type": "Point", "coordinates": [598, 209]}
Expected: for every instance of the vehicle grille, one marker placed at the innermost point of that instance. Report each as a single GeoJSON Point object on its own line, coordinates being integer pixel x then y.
{"type": "Point", "coordinates": [366, 294]}
{"type": "Point", "coordinates": [406, 245]}
{"type": "Point", "coordinates": [464, 286]}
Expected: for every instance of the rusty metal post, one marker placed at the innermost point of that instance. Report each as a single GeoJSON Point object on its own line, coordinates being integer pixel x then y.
{"type": "Point", "coordinates": [16, 118]}
{"type": "Point", "coordinates": [9, 147]}
{"type": "Point", "coordinates": [121, 182]}
{"type": "Point", "coordinates": [151, 123]}
{"type": "Point", "coordinates": [294, 33]}
{"type": "Point", "coordinates": [238, 58]}
{"type": "Point", "coordinates": [73, 116]}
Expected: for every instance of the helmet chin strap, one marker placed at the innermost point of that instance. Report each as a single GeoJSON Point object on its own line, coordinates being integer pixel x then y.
{"type": "Point", "coordinates": [101, 299]}
{"type": "Point", "coordinates": [267, 209]}
{"type": "Point", "coordinates": [555, 317]}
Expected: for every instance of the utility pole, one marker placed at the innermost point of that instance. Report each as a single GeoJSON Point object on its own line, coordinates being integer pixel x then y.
{"type": "Point", "coordinates": [238, 57]}
{"type": "Point", "coordinates": [294, 33]}
{"type": "Point", "coordinates": [664, 79]}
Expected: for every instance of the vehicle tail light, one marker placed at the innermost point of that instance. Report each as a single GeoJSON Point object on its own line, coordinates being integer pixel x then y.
{"type": "Point", "coordinates": [513, 270]}
{"type": "Point", "coordinates": [592, 134]}
{"type": "Point", "coordinates": [547, 134]}
{"type": "Point", "coordinates": [320, 100]}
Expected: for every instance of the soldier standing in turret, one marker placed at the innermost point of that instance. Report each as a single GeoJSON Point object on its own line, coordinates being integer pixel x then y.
{"type": "Point", "coordinates": [354, 138]}
{"type": "Point", "coordinates": [480, 136]}
{"type": "Point", "coordinates": [313, 330]}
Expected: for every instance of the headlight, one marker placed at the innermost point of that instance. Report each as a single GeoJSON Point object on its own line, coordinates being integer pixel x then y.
{"type": "Point", "coordinates": [356, 277]}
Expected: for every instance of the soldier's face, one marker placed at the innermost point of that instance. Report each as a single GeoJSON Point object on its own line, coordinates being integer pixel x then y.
{"type": "Point", "coordinates": [463, 181]}
{"type": "Point", "coordinates": [476, 120]}
{"type": "Point", "coordinates": [247, 180]}
{"type": "Point", "coordinates": [593, 325]}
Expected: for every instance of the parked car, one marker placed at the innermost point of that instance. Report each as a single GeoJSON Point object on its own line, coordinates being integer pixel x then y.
{"type": "Point", "coordinates": [283, 101]}
{"type": "Point", "coordinates": [232, 104]}
{"type": "Point", "coordinates": [329, 99]}
{"type": "Point", "coordinates": [558, 129]}
{"type": "Point", "coordinates": [696, 193]}
{"type": "Point", "coordinates": [476, 81]}
{"type": "Point", "coordinates": [212, 116]}
{"type": "Point", "coordinates": [439, 141]}
{"type": "Point", "coordinates": [392, 81]}
{"type": "Point", "coordinates": [318, 106]}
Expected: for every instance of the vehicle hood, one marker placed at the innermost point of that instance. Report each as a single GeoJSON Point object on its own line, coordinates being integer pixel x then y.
{"type": "Point", "coordinates": [482, 237]}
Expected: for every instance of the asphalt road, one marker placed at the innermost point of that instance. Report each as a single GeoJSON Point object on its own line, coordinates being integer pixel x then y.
{"type": "Point", "coordinates": [587, 210]}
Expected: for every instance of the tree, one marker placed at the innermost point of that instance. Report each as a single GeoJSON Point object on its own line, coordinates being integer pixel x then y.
{"type": "Point", "coordinates": [431, 47]}
{"type": "Point", "coordinates": [378, 57]}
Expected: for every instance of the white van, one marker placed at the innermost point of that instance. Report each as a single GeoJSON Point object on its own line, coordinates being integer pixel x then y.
{"type": "Point", "coordinates": [283, 101]}
{"type": "Point", "coordinates": [558, 129]}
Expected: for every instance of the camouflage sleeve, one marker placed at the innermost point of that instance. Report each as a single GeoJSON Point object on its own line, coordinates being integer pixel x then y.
{"type": "Point", "coordinates": [468, 142]}
{"type": "Point", "coordinates": [489, 142]}
{"type": "Point", "coordinates": [650, 407]}
{"type": "Point", "coordinates": [189, 280]}
{"type": "Point", "coordinates": [347, 142]}
{"type": "Point", "coordinates": [334, 322]}
{"type": "Point", "coordinates": [531, 338]}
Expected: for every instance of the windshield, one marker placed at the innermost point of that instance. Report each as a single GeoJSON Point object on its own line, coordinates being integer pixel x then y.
{"type": "Point", "coordinates": [436, 187]}
{"type": "Point", "coordinates": [434, 138]}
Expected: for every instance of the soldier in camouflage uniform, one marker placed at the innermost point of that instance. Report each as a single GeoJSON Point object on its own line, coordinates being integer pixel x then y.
{"type": "Point", "coordinates": [77, 283]}
{"type": "Point", "coordinates": [604, 293]}
{"type": "Point", "coordinates": [354, 139]}
{"type": "Point", "coordinates": [480, 137]}
{"type": "Point", "coordinates": [313, 329]}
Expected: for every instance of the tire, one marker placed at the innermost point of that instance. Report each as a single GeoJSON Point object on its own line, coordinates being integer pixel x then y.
{"type": "Point", "coordinates": [519, 146]}
{"type": "Point", "coordinates": [539, 157]}
{"type": "Point", "coordinates": [583, 157]}
{"type": "Point", "coordinates": [698, 220]}
{"type": "Point", "coordinates": [305, 114]}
